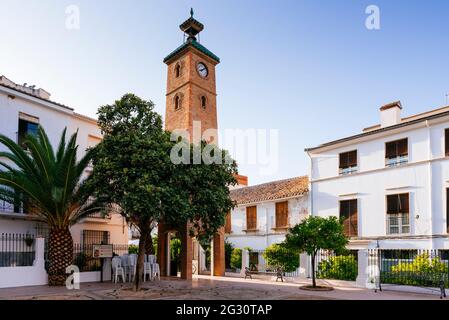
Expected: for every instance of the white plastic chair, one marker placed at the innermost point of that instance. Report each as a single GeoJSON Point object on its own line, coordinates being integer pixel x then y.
{"type": "Point", "coordinates": [117, 269]}
{"type": "Point", "coordinates": [155, 270]}
{"type": "Point", "coordinates": [147, 270]}
{"type": "Point", "coordinates": [125, 265]}
{"type": "Point", "coordinates": [132, 264]}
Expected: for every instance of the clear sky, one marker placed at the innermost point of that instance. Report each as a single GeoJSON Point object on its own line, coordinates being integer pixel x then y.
{"type": "Point", "coordinates": [310, 69]}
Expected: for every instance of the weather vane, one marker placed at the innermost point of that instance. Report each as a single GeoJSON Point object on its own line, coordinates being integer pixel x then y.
{"type": "Point", "coordinates": [191, 12]}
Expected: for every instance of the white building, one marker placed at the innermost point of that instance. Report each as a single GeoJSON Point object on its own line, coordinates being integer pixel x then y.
{"type": "Point", "coordinates": [22, 109]}
{"type": "Point", "coordinates": [265, 212]}
{"type": "Point", "coordinates": [390, 183]}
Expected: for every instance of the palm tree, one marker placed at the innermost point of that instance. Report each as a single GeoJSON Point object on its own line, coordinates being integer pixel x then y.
{"type": "Point", "coordinates": [50, 186]}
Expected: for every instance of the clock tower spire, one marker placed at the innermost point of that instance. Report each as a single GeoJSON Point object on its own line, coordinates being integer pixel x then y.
{"type": "Point", "coordinates": [191, 99]}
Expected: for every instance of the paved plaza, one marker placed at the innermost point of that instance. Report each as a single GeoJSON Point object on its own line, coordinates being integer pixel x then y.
{"type": "Point", "coordinates": [207, 288]}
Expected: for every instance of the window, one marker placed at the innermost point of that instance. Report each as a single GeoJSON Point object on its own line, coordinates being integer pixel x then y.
{"type": "Point", "coordinates": [203, 102]}
{"type": "Point", "coordinates": [28, 125]}
{"type": "Point", "coordinates": [177, 103]}
{"type": "Point", "coordinates": [251, 218]}
{"type": "Point", "coordinates": [178, 71]}
{"type": "Point", "coordinates": [95, 237]}
{"type": "Point", "coordinates": [396, 152]}
{"type": "Point", "coordinates": [348, 162]}
{"type": "Point", "coordinates": [282, 214]}
{"type": "Point", "coordinates": [398, 215]}
{"type": "Point", "coordinates": [446, 142]}
{"type": "Point", "coordinates": [228, 224]}
{"type": "Point", "coordinates": [348, 214]}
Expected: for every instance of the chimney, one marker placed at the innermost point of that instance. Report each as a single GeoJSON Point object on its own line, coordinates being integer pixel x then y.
{"type": "Point", "coordinates": [390, 114]}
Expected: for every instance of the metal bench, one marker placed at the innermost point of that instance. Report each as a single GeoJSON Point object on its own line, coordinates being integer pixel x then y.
{"type": "Point", "coordinates": [278, 272]}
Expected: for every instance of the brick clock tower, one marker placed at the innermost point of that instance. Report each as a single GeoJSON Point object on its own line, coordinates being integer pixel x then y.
{"type": "Point", "coordinates": [191, 86]}
{"type": "Point", "coordinates": [191, 106]}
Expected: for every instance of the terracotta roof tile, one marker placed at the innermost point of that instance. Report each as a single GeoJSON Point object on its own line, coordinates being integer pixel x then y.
{"type": "Point", "coordinates": [271, 191]}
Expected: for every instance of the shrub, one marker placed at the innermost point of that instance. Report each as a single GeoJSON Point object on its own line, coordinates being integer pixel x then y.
{"type": "Point", "coordinates": [422, 271]}
{"type": "Point", "coordinates": [277, 256]}
{"type": "Point", "coordinates": [422, 263]}
{"type": "Point", "coordinates": [133, 249]}
{"type": "Point", "coordinates": [339, 268]}
{"type": "Point", "coordinates": [236, 258]}
{"type": "Point", "coordinates": [229, 247]}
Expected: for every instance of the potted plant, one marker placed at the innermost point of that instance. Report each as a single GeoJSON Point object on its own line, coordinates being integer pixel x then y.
{"type": "Point", "coordinates": [29, 240]}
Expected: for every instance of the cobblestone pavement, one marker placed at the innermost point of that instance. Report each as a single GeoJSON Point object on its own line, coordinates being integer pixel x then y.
{"type": "Point", "coordinates": [204, 288]}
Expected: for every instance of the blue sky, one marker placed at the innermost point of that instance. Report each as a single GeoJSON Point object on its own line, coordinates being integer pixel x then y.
{"type": "Point", "coordinates": [307, 68]}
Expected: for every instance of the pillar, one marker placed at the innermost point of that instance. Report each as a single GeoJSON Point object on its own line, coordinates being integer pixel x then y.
{"type": "Point", "coordinates": [304, 266]}
{"type": "Point", "coordinates": [363, 269]}
{"type": "Point", "coordinates": [219, 264]}
{"type": "Point", "coordinates": [186, 253]}
{"type": "Point", "coordinates": [162, 248]}
{"type": "Point", "coordinates": [39, 253]}
{"type": "Point", "coordinates": [245, 261]}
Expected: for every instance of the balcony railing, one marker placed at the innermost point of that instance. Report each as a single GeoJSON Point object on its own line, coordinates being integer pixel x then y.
{"type": "Point", "coordinates": [398, 161]}
{"type": "Point", "coordinates": [348, 170]}
{"type": "Point", "coordinates": [6, 207]}
{"type": "Point", "coordinates": [398, 223]}
{"type": "Point", "coordinates": [98, 215]}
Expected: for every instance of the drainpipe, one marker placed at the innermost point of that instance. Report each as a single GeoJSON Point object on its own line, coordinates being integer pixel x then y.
{"type": "Point", "coordinates": [267, 227]}
{"type": "Point", "coordinates": [429, 158]}
{"type": "Point", "coordinates": [310, 184]}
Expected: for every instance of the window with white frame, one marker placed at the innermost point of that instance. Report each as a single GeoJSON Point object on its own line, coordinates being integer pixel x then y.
{"type": "Point", "coordinates": [398, 213]}
{"type": "Point", "coordinates": [348, 162]}
{"type": "Point", "coordinates": [396, 153]}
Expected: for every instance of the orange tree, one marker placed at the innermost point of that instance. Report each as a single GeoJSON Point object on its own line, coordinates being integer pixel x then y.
{"type": "Point", "coordinates": [314, 234]}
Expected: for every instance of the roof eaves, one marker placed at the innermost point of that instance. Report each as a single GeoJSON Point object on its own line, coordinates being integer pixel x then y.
{"type": "Point", "coordinates": [37, 97]}
{"type": "Point", "coordinates": [400, 125]}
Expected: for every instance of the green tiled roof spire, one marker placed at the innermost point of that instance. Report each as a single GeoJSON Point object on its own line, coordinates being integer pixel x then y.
{"type": "Point", "coordinates": [192, 27]}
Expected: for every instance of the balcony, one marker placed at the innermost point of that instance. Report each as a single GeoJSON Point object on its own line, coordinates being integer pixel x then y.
{"type": "Point", "coordinates": [398, 161]}
{"type": "Point", "coordinates": [348, 170]}
{"type": "Point", "coordinates": [398, 224]}
{"type": "Point", "coordinates": [6, 207]}
{"type": "Point", "coordinates": [98, 215]}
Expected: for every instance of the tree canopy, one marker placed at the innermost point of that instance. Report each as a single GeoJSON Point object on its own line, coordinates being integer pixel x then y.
{"type": "Point", "coordinates": [135, 173]}
{"type": "Point", "coordinates": [317, 233]}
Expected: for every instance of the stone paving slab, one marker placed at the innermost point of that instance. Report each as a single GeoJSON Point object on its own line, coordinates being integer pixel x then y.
{"type": "Point", "coordinates": [204, 288]}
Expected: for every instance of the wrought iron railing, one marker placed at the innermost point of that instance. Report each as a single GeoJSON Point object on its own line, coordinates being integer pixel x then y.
{"type": "Point", "coordinates": [17, 250]}
{"type": "Point", "coordinates": [393, 162]}
{"type": "Point", "coordinates": [424, 268]}
{"type": "Point", "coordinates": [343, 266]}
{"type": "Point", "coordinates": [398, 223]}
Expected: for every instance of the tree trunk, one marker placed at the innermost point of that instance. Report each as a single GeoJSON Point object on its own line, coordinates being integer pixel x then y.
{"type": "Point", "coordinates": [60, 255]}
{"type": "Point", "coordinates": [140, 258]}
{"type": "Point", "coordinates": [313, 270]}
{"type": "Point", "coordinates": [149, 248]}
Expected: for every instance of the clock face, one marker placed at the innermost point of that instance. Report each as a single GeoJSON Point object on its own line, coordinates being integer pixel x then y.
{"type": "Point", "coordinates": [202, 70]}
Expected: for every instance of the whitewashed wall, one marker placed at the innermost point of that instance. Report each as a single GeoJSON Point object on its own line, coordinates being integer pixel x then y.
{"type": "Point", "coordinates": [54, 119]}
{"type": "Point", "coordinates": [266, 220]}
{"type": "Point", "coordinates": [426, 178]}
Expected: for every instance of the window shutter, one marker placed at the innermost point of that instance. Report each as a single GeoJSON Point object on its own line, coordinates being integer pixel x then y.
{"type": "Point", "coordinates": [446, 142]}
{"type": "Point", "coordinates": [393, 203]}
{"type": "Point", "coordinates": [343, 160]}
{"type": "Point", "coordinates": [390, 150]}
{"type": "Point", "coordinates": [404, 203]}
{"type": "Point", "coordinates": [344, 216]}
{"type": "Point", "coordinates": [402, 147]}
{"type": "Point", "coordinates": [352, 158]}
{"type": "Point", "coordinates": [353, 218]}
{"type": "Point", "coordinates": [282, 214]}
{"type": "Point", "coordinates": [251, 218]}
